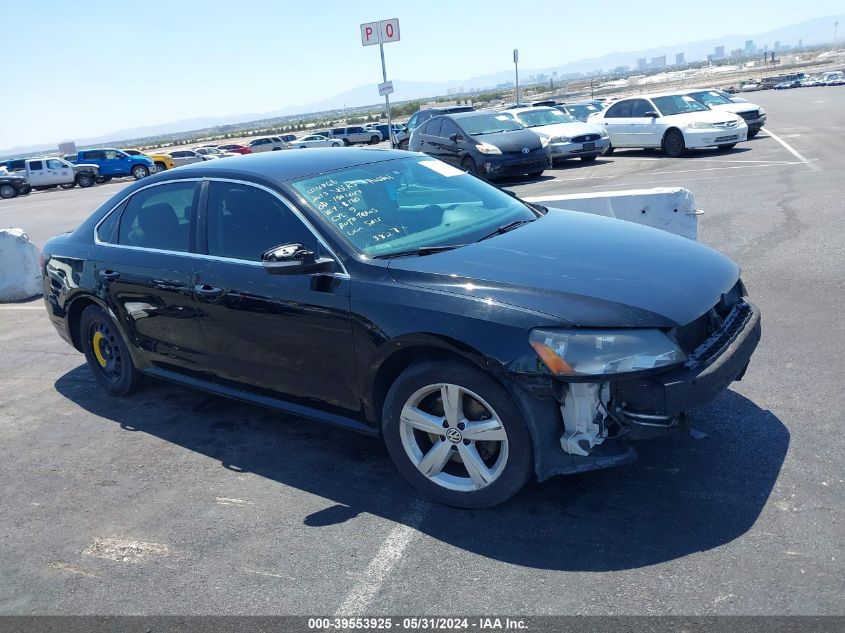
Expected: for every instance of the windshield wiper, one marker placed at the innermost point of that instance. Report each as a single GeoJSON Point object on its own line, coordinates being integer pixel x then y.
{"type": "Point", "coordinates": [504, 229]}
{"type": "Point", "coordinates": [419, 252]}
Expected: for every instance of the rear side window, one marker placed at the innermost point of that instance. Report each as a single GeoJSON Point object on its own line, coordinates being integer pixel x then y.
{"type": "Point", "coordinates": [244, 221]}
{"type": "Point", "coordinates": [94, 155]}
{"type": "Point", "coordinates": [160, 217]}
{"type": "Point", "coordinates": [619, 110]}
{"type": "Point", "coordinates": [432, 128]}
{"type": "Point", "coordinates": [36, 165]}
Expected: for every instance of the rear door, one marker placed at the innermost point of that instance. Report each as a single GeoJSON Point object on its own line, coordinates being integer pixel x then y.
{"type": "Point", "coordinates": [37, 173]}
{"type": "Point", "coordinates": [451, 150]}
{"type": "Point", "coordinates": [287, 336]}
{"type": "Point", "coordinates": [616, 121]}
{"type": "Point", "coordinates": [145, 268]}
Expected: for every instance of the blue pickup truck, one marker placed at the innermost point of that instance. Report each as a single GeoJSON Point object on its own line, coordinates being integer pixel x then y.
{"type": "Point", "coordinates": [114, 163]}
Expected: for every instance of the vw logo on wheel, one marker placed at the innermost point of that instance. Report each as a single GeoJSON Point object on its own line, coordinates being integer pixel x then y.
{"type": "Point", "coordinates": [525, 150]}
{"type": "Point", "coordinates": [454, 436]}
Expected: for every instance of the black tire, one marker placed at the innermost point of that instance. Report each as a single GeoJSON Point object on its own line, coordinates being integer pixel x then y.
{"type": "Point", "coordinates": [160, 167]}
{"type": "Point", "coordinates": [375, 140]}
{"type": "Point", "coordinates": [111, 365]}
{"type": "Point", "coordinates": [346, 142]}
{"type": "Point", "coordinates": [85, 180]}
{"type": "Point", "coordinates": [102, 179]}
{"type": "Point", "coordinates": [728, 146]}
{"type": "Point", "coordinates": [589, 159]}
{"type": "Point", "coordinates": [140, 171]}
{"type": "Point", "coordinates": [673, 144]}
{"type": "Point", "coordinates": [752, 133]}
{"type": "Point", "coordinates": [520, 458]}
{"type": "Point", "coordinates": [276, 149]}
{"type": "Point", "coordinates": [610, 149]}
{"type": "Point", "coordinates": [68, 185]}
{"type": "Point", "coordinates": [7, 191]}
{"type": "Point", "coordinates": [469, 166]}
{"type": "Point", "coordinates": [25, 191]}
{"type": "Point", "coordinates": [403, 145]}
{"type": "Point", "coordinates": [333, 145]}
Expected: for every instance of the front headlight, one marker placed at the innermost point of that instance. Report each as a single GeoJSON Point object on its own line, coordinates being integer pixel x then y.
{"type": "Point", "coordinates": [603, 133]}
{"type": "Point", "coordinates": [486, 148]}
{"type": "Point", "coordinates": [701, 125]}
{"type": "Point", "coordinates": [762, 111]}
{"type": "Point", "coordinates": [604, 352]}
{"type": "Point", "coordinates": [544, 141]}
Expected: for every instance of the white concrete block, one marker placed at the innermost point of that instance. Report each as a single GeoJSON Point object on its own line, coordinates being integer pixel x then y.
{"type": "Point", "coordinates": [20, 275]}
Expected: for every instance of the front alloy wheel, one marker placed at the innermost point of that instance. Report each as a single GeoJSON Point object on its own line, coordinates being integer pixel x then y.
{"type": "Point", "coordinates": [454, 432]}
{"type": "Point", "coordinates": [454, 437]}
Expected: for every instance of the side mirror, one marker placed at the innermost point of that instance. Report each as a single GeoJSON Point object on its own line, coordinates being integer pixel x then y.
{"type": "Point", "coordinates": [651, 114]}
{"type": "Point", "coordinates": [294, 259]}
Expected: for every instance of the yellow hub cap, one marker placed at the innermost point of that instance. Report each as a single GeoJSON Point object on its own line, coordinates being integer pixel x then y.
{"type": "Point", "coordinates": [95, 343]}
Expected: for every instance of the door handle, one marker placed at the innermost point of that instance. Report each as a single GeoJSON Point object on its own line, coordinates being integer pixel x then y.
{"type": "Point", "coordinates": [109, 275]}
{"type": "Point", "coordinates": [208, 292]}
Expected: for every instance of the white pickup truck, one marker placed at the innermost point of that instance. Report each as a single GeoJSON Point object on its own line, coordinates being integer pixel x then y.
{"type": "Point", "coordinates": [47, 172]}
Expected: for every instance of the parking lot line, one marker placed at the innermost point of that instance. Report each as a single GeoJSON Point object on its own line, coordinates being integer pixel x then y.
{"type": "Point", "coordinates": [16, 307]}
{"type": "Point", "coordinates": [792, 150]}
{"type": "Point", "coordinates": [358, 600]}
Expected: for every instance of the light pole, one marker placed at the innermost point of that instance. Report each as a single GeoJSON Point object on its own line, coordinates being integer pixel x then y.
{"type": "Point", "coordinates": [516, 72]}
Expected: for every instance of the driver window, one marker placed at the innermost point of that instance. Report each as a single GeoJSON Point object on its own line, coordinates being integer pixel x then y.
{"type": "Point", "coordinates": [640, 107]}
{"type": "Point", "coordinates": [244, 221]}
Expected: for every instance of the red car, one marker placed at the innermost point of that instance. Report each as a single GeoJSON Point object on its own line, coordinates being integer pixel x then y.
{"type": "Point", "coordinates": [235, 148]}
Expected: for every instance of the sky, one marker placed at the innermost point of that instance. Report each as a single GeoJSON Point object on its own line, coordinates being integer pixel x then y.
{"type": "Point", "coordinates": [74, 70]}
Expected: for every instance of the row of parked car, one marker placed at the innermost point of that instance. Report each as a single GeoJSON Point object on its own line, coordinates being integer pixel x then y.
{"type": "Point", "coordinates": [525, 140]}
{"type": "Point", "coordinates": [825, 79]}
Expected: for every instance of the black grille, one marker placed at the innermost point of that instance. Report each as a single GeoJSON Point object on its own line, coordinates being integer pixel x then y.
{"type": "Point", "coordinates": [750, 116]}
{"type": "Point", "coordinates": [725, 139]}
{"type": "Point", "coordinates": [721, 338]}
{"type": "Point", "coordinates": [585, 138]}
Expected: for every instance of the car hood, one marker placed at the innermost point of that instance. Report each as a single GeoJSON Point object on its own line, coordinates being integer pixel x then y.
{"type": "Point", "coordinates": [578, 269]}
{"type": "Point", "coordinates": [511, 141]}
{"type": "Point", "coordinates": [576, 128]}
{"type": "Point", "coordinates": [736, 108]}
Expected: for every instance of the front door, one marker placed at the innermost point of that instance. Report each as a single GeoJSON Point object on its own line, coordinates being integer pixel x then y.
{"type": "Point", "coordinates": [643, 131]}
{"type": "Point", "coordinates": [289, 335]}
{"type": "Point", "coordinates": [145, 271]}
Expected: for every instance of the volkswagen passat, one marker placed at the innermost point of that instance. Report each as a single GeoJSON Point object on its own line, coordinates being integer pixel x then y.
{"type": "Point", "coordinates": [483, 338]}
{"type": "Point", "coordinates": [671, 122]}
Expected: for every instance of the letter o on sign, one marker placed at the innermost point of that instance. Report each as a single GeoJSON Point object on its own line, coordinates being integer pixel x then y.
{"type": "Point", "coordinates": [388, 29]}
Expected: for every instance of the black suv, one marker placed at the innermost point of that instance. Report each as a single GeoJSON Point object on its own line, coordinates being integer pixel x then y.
{"type": "Point", "coordinates": [423, 115]}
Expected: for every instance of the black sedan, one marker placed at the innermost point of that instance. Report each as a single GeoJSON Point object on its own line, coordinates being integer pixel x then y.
{"type": "Point", "coordinates": [483, 338]}
{"type": "Point", "coordinates": [491, 145]}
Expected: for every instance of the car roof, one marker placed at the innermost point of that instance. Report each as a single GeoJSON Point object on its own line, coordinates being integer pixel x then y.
{"type": "Point", "coordinates": [529, 109]}
{"type": "Point", "coordinates": [467, 115]}
{"type": "Point", "coordinates": [284, 166]}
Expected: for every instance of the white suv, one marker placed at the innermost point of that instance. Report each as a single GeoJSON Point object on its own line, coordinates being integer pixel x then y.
{"type": "Point", "coordinates": [355, 134]}
{"type": "Point", "coordinates": [266, 144]}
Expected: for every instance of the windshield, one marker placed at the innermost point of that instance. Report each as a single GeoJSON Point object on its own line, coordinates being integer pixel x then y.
{"type": "Point", "coordinates": [489, 124]}
{"type": "Point", "coordinates": [583, 111]}
{"type": "Point", "coordinates": [710, 97]}
{"type": "Point", "coordinates": [678, 104]}
{"type": "Point", "coordinates": [409, 203]}
{"type": "Point", "coordinates": [535, 118]}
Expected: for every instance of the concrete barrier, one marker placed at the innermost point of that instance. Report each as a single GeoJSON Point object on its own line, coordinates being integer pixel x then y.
{"type": "Point", "coordinates": [668, 208]}
{"type": "Point", "coordinates": [20, 275]}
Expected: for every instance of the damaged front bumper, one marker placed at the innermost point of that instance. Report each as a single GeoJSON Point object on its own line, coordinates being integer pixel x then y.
{"type": "Point", "coordinates": [585, 427]}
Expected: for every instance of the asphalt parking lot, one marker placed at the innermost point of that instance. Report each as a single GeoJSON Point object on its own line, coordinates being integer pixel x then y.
{"type": "Point", "coordinates": [174, 501]}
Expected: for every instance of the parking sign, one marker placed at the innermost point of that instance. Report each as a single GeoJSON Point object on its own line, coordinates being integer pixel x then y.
{"type": "Point", "coordinates": [380, 32]}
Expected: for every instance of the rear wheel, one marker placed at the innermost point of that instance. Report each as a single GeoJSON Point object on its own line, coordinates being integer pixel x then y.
{"type": "Point", "coordinates": [106, 353]}
{"type": "Point", "coordinates": [455, 434]}
{"type": "Point", "coordinates": [346, 142]}
{"type": "Point", "coordinates": [8, 191]}
{"type": "Point", "coordinates": [752, 133]}
{"type": "Point", "coordinates": [589, 159]}
{"type": "Point", "coordinates": [103, 179]}
{"type": "Point", "coordinates": [374, 140]}
{"type": "Point", "coordinates": [160, 167]}
{"type": "Point", "coordinates": [68, 185]}
{"type": "Point", "coordinates": [673, 143]}
{"type": "Point", "coordinates": [333, 145]}
{"type": "Point", "coordinates": [403, 144]}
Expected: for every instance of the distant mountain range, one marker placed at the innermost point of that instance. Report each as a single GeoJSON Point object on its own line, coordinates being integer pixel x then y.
{"type": "Point", "coordinates": [812, 32]}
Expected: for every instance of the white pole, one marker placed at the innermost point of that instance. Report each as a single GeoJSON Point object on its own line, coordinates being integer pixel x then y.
{"type": "Point", "coordinates": [386, 97]}
{"type": "Point", "coordinates": [516, 71]}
